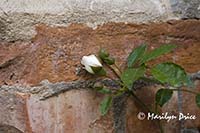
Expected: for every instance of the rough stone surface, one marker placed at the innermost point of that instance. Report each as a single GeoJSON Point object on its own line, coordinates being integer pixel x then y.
{"type": "Point", "coordinates": [8, 129]}
{"type": "Point", "coordinates": [147, 94]}
{"type": "Point", "coordinates": [13, 111]}
{"type": "Point", "coordinates": [19, 18]}
{"type": "Point", "coordinates": [186, 8]}
{"type": "Point", "coordinates": [42, 87]}
{"type": "Point", "coordinates": [133, 124]}
{"type": "Point", "coordinates": [80, 108]}
{"type": "Point", "coordinates": [54, 54]}
{"type": "Point", "coordinates": [22, 108]}
{"type": "Point", "coordinates": [74, 112]}
{"type": "Point", "coordinates": [119, 113]}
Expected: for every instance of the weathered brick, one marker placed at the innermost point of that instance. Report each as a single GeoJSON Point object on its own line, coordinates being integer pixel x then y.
{"type": "Point", "coordinates": [13, 111]}
{"type": "Point", "coordinates": [73, 112]}
{"type": "Point", "coordinates": [54, 54]}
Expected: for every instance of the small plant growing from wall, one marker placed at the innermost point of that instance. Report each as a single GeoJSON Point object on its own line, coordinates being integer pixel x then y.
{"type": "Point", "coordinates": [170, 76]}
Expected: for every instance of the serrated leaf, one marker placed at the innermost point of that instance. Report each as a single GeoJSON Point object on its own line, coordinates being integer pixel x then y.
{"type": "Point", "coordinates": [136, 54]}
{"type": "Point", "coordinates": [198, 100]}
{"type": "Point", "coordinates": [170, 73]}
{"type": "Point", "coordinates": [130, 75]}
{"type": "Point", "coordinates": [105, 105]}
{"type": "Point", "coordinates": [157, 52]}
{"type": "Point", "coordinates": [163, 96]}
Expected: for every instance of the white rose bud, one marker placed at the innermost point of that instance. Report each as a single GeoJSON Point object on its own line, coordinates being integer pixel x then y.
{"type": "Point", "coordinates": [89, 62]}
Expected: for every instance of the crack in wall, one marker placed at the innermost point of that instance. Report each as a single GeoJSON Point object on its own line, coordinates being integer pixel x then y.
{"type": "Point", "coordinates": [47, 90]}
{"type": "Point", "coordinates": [119, 113]}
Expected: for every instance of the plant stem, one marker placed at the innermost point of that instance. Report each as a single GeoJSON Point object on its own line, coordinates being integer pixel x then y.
{"type": "Point", "coordinates": [186, 90]}
{"type": "Point", "coordinates": [118, 69]}
{"type": "Point", "coordinates": [147, 108]}
{"type": "Point", "coordinates": [118, 73]}
{"type": "Point", "coordinates": [140, 102]}
{"type": "Point", "coordinates": [160, 126]}
{"type": "Point", "coordinates": [115, 69]}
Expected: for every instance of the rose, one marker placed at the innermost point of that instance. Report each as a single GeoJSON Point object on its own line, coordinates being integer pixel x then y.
{"type": "Point", "coordinates": [91, 63]}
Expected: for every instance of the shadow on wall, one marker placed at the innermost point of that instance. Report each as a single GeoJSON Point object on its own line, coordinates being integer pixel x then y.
{"type": "Point", "coordinates": [9, 129]}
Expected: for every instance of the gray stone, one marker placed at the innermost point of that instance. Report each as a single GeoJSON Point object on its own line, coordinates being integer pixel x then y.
{"type": "Point", "coordinates": [20, 17]}
{"type": "Point", "coordinates": [186, 9]}
{"type": "Point", "coordinates": [9, 129]}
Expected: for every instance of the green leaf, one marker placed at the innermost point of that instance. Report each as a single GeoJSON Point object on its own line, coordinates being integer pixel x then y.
{"type": "Point", "coordinates": [189, 82]}
{"type": "Point", "coordinates": [103, 53]}
{"type": "Point", "coordinates": [105, 105]}
{"type": "Point", "coordinates": [163, 96]}
{"type": "Point", "coordinates": [198, 100]}
{"type": "Point", "coordinates": [130, 75]}
{"type": "Point", "coordinates": [170, 73]}
{"type": "Point", "coordinates": [105, 91]}
{"type": "Point", "coordinates": [157, 52]}
{"type": "Point", "coordinates": [136, 54]}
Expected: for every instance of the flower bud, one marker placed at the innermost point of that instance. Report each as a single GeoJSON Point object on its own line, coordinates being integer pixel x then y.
{"type": "Point", "coordinates": [109, 60]}
{"type": "Point", "coordinates": [91, 63]}
{"type": "Point", "coordinates": [103, 54]}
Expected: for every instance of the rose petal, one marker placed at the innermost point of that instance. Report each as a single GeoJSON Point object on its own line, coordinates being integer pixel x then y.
{"type": "Point", "coordinates": [91, 60]}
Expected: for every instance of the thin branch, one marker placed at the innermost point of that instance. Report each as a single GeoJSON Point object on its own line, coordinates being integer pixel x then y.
{"type": "Point", "coordinates": [186, 90]}
{"type": "Point", "coordinates": [118, 69]}
{"type": "Point", "coordinates": [115, 69]}
{"type": "Point", "coordinates": [147, 108]}
{"type": "Point", "coordinates": [140, 102]}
